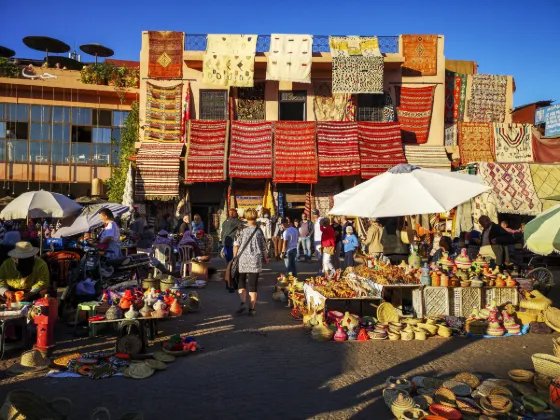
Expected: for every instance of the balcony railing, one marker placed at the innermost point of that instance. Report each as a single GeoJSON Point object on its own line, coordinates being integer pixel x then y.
{"type": "Point", "coordinates": [387, 44]}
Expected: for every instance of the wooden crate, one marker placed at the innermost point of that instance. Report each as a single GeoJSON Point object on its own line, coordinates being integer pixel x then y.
{"type": "Point", "coordinates": [436, 300]}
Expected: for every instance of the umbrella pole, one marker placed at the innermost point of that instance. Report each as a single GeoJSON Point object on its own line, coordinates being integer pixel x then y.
{"type": "Point", "coordinates": [41, 241]}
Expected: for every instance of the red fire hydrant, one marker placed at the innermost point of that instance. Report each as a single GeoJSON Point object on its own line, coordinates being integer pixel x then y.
{"type": "Point", "coordinates": [45, 322]}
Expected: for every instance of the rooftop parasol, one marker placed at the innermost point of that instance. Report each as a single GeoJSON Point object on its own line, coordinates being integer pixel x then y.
{"type": "Point", "coordinates": [97, 50]}
{"type": "Point", "coordinates": [6, 52]}
{"type": "Point", "coordinates": [67, 62]}
{"type": "Point", "coordinates": [46, 44]}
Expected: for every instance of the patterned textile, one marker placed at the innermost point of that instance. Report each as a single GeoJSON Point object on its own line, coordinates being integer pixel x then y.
{"type": "Point", "coordinates": [513, 142]}
{"type": "Point", "coordinates": [420, 55]}
{"type": "Point", "coordinates": [433, 157]}
{"type": "Point", "coordinates": [546, 179]}
{"type": "Point", "coordinates": [206, 151]}
{"type": "Point", "coordinates": [250, 103]}
{"type": "Point", "coordinates": [157, 171]}
{"type": "Point", "coordinates": [163, 113]}
{"type": "Point", "coordinates": [488, 98]}
{"type": "Point", "coordinates": [484, 205]}
{"type": "Point", "coordinates": [380, 147]}
{"type": "Point", "coordinates": [357, 74]}
{"type": "Point", "coordinates": [248, 198]}
{"type": "Point", "coordinates": [455, 96]}
{"type": "Point", "coordinates": [166, 54]}
{"type": "Point", "coordinates": [339, 154]}
{"type": "Point", "coordinates": [230, 60]}
{"type": "Point", "coordinates": [325, 191]}
{"type": "Point", "coordinates": [295, 155]}
{"type": "Point", "coordinates": [415, 113]}
{"type": "Point", "coordinates": [461, 66]}
{"type": "Point", "coordinates": [388, 109]}
{"type": "Point", "coordinates": [346, 46]}
{"type": "Point", "coordinates": [290, 58]}
{"type": "Point", "coordinates": [251, 150]}
{"type": "Point", "coordinates": [326, 105]}
{"type": "Point", "coordinates": [350, 113]}
{"type": "Point", "coordinates": [476, 142]}
{"type": "Point", "coordinates": [450, 135]}
{"type": "Point", "coordinates": [513, 187]}
{"type": "Point", "coordinates": [545, 150]}
{"type": "Point", "coordinates": [307, 208]}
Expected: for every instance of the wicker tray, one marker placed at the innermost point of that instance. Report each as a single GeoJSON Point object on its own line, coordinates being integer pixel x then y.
{"type": "Point", "coordinates": [436, 300]}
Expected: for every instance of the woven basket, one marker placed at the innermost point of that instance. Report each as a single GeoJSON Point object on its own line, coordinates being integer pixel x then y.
{"type": "Point", "coordinates": [407, 335]}
{"type": "Point", "coordinates": [476, 327]}
{"type": "Point", "coordinates": [177, 353]}
{"type": "Point", "coordinates": [432, 329]}
{"type": "Point", "coordinates": [26, 405]}
{"type": "Point", "coordinates": [500, 390]}
{"type": "Point", "coordinates": [521, 375]}
{"type": "Point", "coordinates": [556, 346]}
{"type": "Point", "coordinates": [446, 397]}
{"type": "Point", "coordinates": [148, 283]}
{"type": "Point", "coordinates": [389, 395]}
{"type": "Point", "coordinates": [468, 378]}
{"type": "Point", "coordinates": [535, 300]}
{"type": "Point", "coordinates": [468, 407]}
{"type": "Point", "coordinates": [420, 335]}
{"type": "Point", "coordinates": [526, 318]}
{"type": "Point", "coordinates": [496, 404]}
{"type": "Point", "coordinates": [546, 365]}
{"type": "Point", "coordinates": [423, 401]}
{"type": "Point", "coordinates": [552, 318]}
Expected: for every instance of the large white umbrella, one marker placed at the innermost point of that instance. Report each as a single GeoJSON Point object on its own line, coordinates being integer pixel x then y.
{"type": "Point", "coordinates": [89, 219]}
{"type": "Point", "coordinates": [407, 190]}
{"type": "Point", "coordinates": [542, 234]}
{"type": "Point", "coordinates": [38, 204]}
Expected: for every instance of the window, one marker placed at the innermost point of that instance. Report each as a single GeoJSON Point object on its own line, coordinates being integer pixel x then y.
{"type": "Point", "coordinates": [2, 130]}
{"type": "Point", "coordinates": [116, 135]}
{"type": "Point", "coordinates": [291, 105]}
{"type": "Point", "coordinates": [119, 117]}
{"type": "Point", "coordinates": [41, 113]}
{"type": "Point", "coordinates": [60, 133]}
{"type": "Point", "coordinates": [40, 132]}
{"type": "Point", "coordinates": [101, 154]}
{"type": "Point", "coordinates": [81, 116]}
{"type": "Point", "coordinates": [102, 117]}
{"type": "Point", "coordinates": [40, 152]}
{"type": "Point", "coordinates": [101, 135]}
{"type": "Point", "coordinates": [17, 130]}
{"type": "Point", "coordinates": [61, 114]}
{"type": "Point", "coordinates": [81, 153]}
{"type": "Point", "coordinates": [2, 111]}
{"type": "Point", "coordinates": [370, 107]}
{"type": "Point", "coordinates": [213, 105]}
{"type": "Point", "coordinates": [60, 152]}
{"type": "Point", "coordinates": [18, 151]}
{"type": "Point", "coordinates": [17, 112]}
{"type": "Point", "coordinates": [81, 134]}
{"type": "Point", "coordinates": [3, 150]}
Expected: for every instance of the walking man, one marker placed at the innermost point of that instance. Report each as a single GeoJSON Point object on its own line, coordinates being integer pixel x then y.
{"type": "Point", "coordinates": [289, 246]}
{"type": "Point", "coordinates": [305, 233]}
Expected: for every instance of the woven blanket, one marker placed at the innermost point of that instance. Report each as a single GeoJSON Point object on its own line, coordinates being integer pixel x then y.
{"type": "Point", "coordinates": [157, 171]}
{"type": "Point", "coordinates": [484, 205]}
{"type": "Point", "coordinates": [434, 157]}
{"type": "Point", "coordinates": [250, 103]}
{"type": "Point", "coordinates": [513, 142]}
{"type": "Point", "coordinates": [290, 58]}
{"type": "Point", "coordinates": [476, 142]}
{"type": "Point", "coordinates": [357, 74]}
{"type": "Point", "coordinates": [251, 150]}
{"type": "Point", "coordinates": [367, 46]}
{"type": "Point", "coordinates": [415, 113]}
{"type": "Point", "coordinates": [455, 96]}
{"type": "Point", "coordinates": [420, 55]}
{"type": "Point", "coordinates": [295, 154]}
{"type": "Point", "coordinates": [339, 153]}
{"type": "Point", "coordinates": [163, 113]}
{"type": "Point", "coordinates": [513, 187]}
{"type": "Point", "coordinates": [206, 151]}
{"type": "Point", "coordinates": [545, 150]}
{"type": "Point", "coordinates": [326, 105]}
{"type": "Point", "coordinates": [450, 135]}
{"type": "Point", "coordinates": [230, 60]}
{"type": "Point", "coordinates": [546, 179]}
{"type": "Point", "coordinates": [380, 147]}
{"type": "Point", "coordinates": [325, 190]}
{"type": "Point", "coordinates": [488, 98]}
{"type": "Point", "coordinates": [166, 54]}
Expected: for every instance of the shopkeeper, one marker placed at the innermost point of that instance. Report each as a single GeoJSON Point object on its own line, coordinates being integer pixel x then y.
{"type": "Point", "coordinates": [23, 272]}
{"type": "Point", "coordinates": [494, 241]}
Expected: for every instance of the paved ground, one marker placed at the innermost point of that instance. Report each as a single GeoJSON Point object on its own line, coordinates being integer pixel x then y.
{"type": "Point", "coordinates": [268, 367]}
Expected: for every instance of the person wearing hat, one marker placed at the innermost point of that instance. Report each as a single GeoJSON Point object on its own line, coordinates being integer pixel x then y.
{"type": "Point", "coordinates": [350, 243]}
{"type": "Point", "coordinates": [25, 272]}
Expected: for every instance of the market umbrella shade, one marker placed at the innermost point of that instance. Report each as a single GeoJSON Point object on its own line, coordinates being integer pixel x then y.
{"type": "Point", "coordinates": [542, 234]}
{"type": "Point", "coordinates": [38, 204]}
{"type": "Point", "coordinates": [67, 62]}
{"type": "Point", "coordinates": [46, 44]}
{"type": "Point", "coordinates": [97, 50]}
{"type": "Point", "coordinates": [89, 219]}
{"type": "Point", "coordinates": [6, 52]}
{"type": "Point", "coordinates": [407, 190]}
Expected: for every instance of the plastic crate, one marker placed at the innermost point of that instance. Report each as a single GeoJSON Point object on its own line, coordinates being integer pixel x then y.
{"type": "Point", "coordinates": [465, 299]}
{"type": "Point", "coordinates": [436, 300]}
{"type": "Point", "coordinates": [501, 295]}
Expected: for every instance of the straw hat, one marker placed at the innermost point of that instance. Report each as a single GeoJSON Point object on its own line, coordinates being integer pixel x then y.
{"type": "Point", "coordinates": [140, 371]}
{"type": "Point", "coordinates": [23, 249]}
{"type": "Point", "coordinates": [164, 357]}
{"type": "Point", "coordinates": [31, 361]}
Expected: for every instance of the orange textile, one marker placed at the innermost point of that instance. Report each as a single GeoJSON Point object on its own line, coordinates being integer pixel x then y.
{"type": "Point", "coordinates": [476, 142]}
{"type": "Point", "coordinates": [420, 54]}
{"type": "Point", "coordinates": [166, 54]}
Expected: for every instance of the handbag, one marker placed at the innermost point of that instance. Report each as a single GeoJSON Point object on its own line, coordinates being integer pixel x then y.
{"type": "Point", "coordinates": [234, 267]}
{"type": "Point", "coordinates": [404, 234]}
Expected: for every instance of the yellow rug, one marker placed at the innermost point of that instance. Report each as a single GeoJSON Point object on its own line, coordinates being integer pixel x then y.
{"type": "Point", "coordinates": [546, 179]}
{"type": "Point", "coordinates": [230, 60]}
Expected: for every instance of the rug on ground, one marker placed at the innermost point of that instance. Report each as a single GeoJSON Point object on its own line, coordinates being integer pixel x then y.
{"type": "Point", "coordinates": [513, 143]}
{"type": "Point", "coordinates": [415, 112]}
{"type": "Point", "coordinates": [380, 147]}
{"type": "Point", "coordinates": [433, 157]}
{"type": "Point", "coordinates": [420, 55]}
{"type": "Point", "coordinates": [230, 60]}
{"type": "Point", "coordinates": [339, 153]}
{"type": "Point", "coordinates": [328, 106]}
{"type": "Point", "coordinates": [157, 171]}
{"type": "Point", "coordinates": [295, 154]}
{"type": "Point", "coordinates": [251, 150]}
{"type": "Point", "coordinates": [513, 187]}
{"type": "Point", "coordinates": [455, 96]}
{"type": "Point", "coordinates": [546, 179]}
{"type": "Point", "coordinates": [476, 142]}
{"type": "Point", "coordinates": [250, 103]}
{"type": "Point", "coordinates": [488, 98]}
{"type": "Point", "coordinates": [206, 156]}
{"type": "Point", "coordinates": [290, 57]}
{"type": "Point", "coordinates": [166, 54]}
{"type": "Point", "coordinates": [163, 113]}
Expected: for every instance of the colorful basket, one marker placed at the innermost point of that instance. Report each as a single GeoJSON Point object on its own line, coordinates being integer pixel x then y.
{"type": "Point", "coordinates": [496, 404]}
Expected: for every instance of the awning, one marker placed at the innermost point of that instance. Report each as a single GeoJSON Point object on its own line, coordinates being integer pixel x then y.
{"type": "Point", "coordinates": [431, 157]}
{"type": "Point", "coordinates": [157, 171]}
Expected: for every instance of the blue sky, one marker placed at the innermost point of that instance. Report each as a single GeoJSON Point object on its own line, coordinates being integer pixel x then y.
{"type": "Point", "coordinates": [516, 37]}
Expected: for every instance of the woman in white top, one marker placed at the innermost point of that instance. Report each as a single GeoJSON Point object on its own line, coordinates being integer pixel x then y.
{"type": "Point", "coordinates": [110, 235]}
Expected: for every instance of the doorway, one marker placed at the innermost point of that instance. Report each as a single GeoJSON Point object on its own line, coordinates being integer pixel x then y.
{"type": "Point", "coordinates": [292, 105]}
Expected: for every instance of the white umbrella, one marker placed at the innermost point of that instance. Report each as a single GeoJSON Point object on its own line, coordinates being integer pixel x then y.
{"type": "Point", "coordinates": [542, 234]}
{"type": "Point", "coordinates": [38, 204]}
{"type": "Point", "coordinates": [89, 219]}
{"type": "Point", "coordinates": [407, 190]}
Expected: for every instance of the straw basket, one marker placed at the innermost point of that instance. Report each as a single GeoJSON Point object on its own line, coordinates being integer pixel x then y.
{"type": "Point", "coordinates": [468, 378]}
{"type": "Point", "coordinates": [556, 346]}
{"type": "Point", "coordinates": [177, 353]}
{"type": "Point", "coordinates": [407, 335]}
{"type": "Point", "coordinates": [500, 390]}
{"type": "Point", "coordinates": [468, 407]}
{"type": "Point", "coordinates": [26, 405]}
{"type": "Point", "coordinates": [389, 395]}
{"type": "Point", "coordinates": [432, 329]}
{"type": "Point", "coordinates": [546, 365]}
{"type": "Point", "coordinates": [535, 300]}
{"type": "Point", "coordinates": [526, 318]}
{"type": "Point", "coordinates": [552, 318]}
{"type": "Point", "coordinates": [496, 404]}
{"type": "Point", "coordinates": [446, 397]}
{"type": "Point", "coordinates": [521, 375]}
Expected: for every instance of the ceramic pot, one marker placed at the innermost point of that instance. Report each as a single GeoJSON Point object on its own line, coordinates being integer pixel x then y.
{"type": "Point", "coordinates": [340, 335]}
{"type": "Point", "coordinates": [175, 309]}
{"type": "Point", "coordinates": [114, 312]}
{"type": "Point", "coordinates": [414, 261]}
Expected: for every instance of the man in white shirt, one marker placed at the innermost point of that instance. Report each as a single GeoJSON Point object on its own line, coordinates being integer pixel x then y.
{"type": "Point", "coordinates": [317, 234]}
{"type": "Point", "coordinates": [290, 239]}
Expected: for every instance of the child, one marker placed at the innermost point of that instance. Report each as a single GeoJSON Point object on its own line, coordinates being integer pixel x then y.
{"type": "Point", "coordinates": [350, 243]}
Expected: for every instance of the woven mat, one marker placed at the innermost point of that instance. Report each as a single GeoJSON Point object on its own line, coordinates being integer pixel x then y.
{"type": "Point", "coordinates": [434, 157]}
{"type": "Point", "coordinates": [250, 103]}
{"type": "Point", "coordinates": [326, 105]}
{"type": "Point", "coordinates": [415, 113]}
{"type": "Point", "coordinates": [166, 54]}
{"type": "Point", "coordinates": [513, 187]}
{"type": "Point", "coordinates": [455, 96]}
{"type": "Point", "coordinates": [206, 151]}
{"type": "Point", "coordinates": [484, 204]}
{"type": "Point", "coordinates": [357, 74]}
{"type": "Point", "coordinates": [163, 113]}
{"type": "Point", "coordinates": [488, 98]}
{"type": "Point", "coordinates": [546, 179]}
{"type": "Point", "coordinates": [545, 150]}
{"type": "Point", "coordinates": [229, 60]}
{"type": "Point", "coordinates": [513, 143]}
{"type": "Point", "coordinates": [325, 190]}
{"type": "Point", "coordinates": [251, 150]}
{"type": "Point", "coordinates": [476, 142]}
{"type": "Point", "coordinates": [380, 147]}
{"type": "Point", "coordinates": [157, 171]}
{"type": "Point", "coordinates": [339, 154]}
{"type": "Point", "coordinates": [420, 55]}
{"type": "Point", "coordinates": [290, 58]}
{"type": "Point", "coordinates": [295, 154]}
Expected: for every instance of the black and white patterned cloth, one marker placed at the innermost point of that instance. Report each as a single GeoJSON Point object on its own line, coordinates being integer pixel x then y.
{"type": "Point", "coordinates": [251, 259]}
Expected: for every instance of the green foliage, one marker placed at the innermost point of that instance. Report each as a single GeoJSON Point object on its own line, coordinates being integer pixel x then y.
{"type": "Point", "coordinates": [129, 135]}
{"type": "Point", "coordinates": [108, 74]}
{"type": "Point", "coordinates": [8, 69]}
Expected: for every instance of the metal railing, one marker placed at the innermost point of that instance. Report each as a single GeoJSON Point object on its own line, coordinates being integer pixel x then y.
{"type": "Point", "coordinates": [387, 44]}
